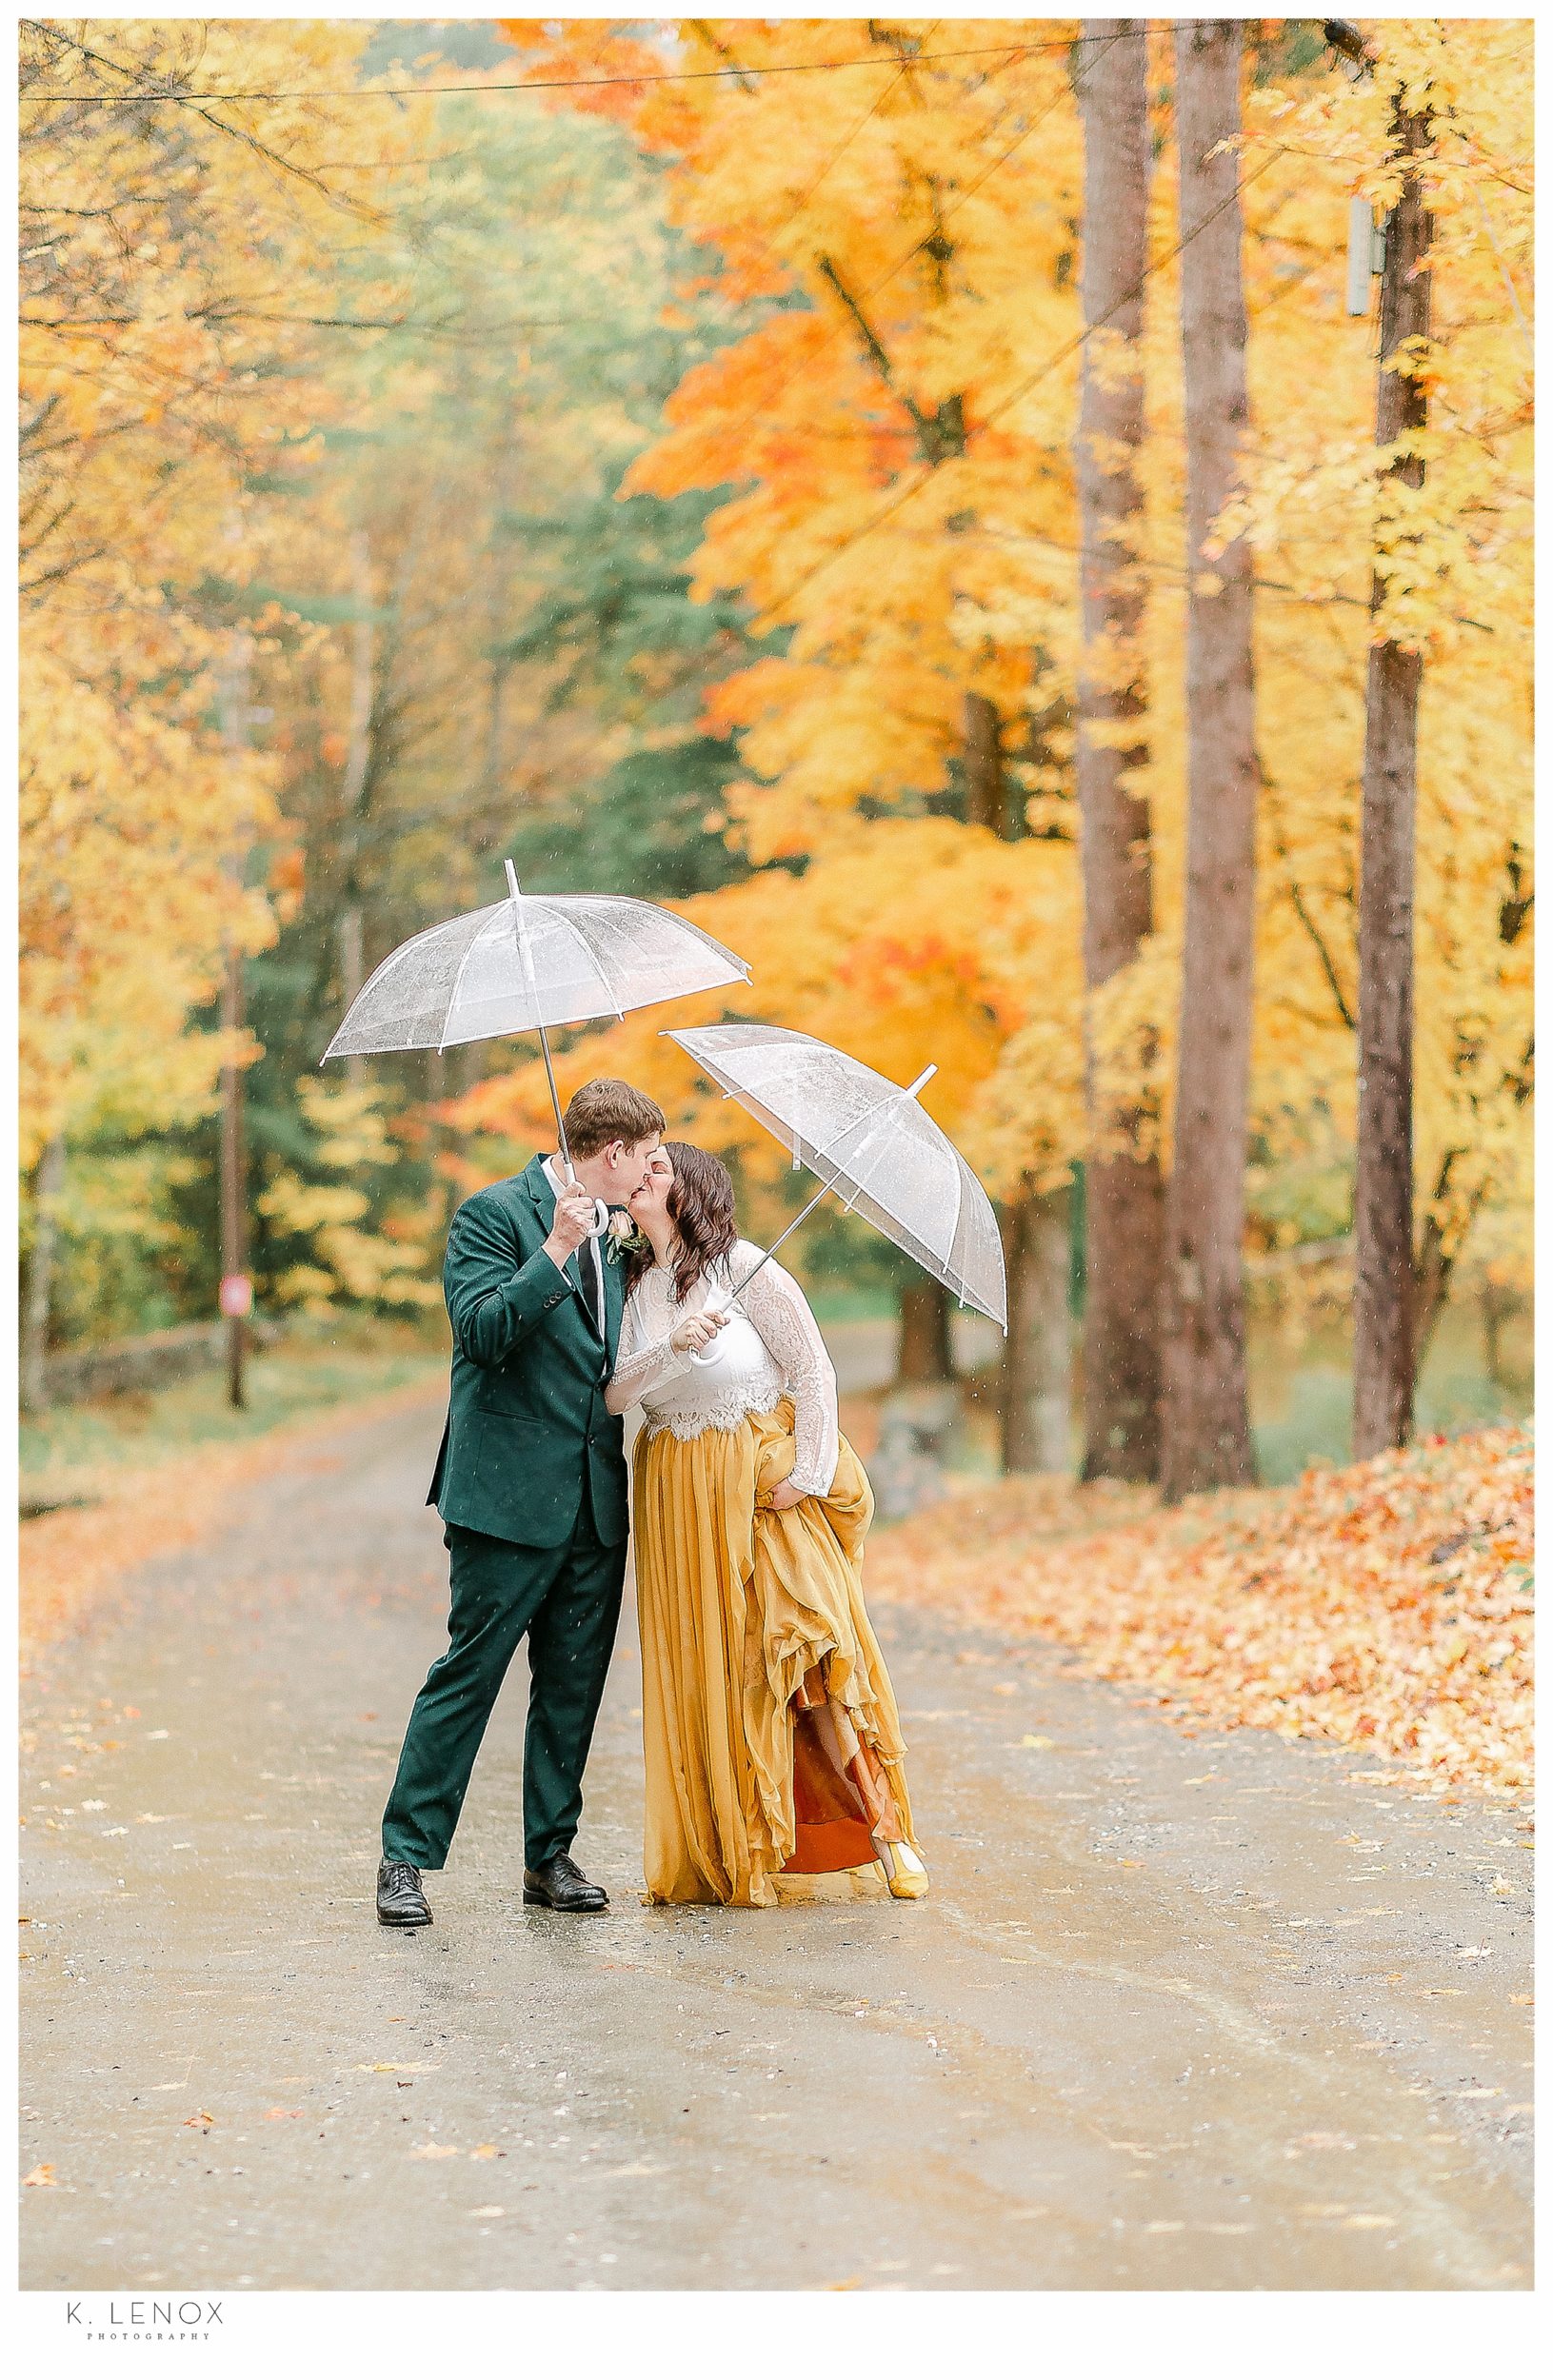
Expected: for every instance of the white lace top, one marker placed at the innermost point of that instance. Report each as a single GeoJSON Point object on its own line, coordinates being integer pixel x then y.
{"type": "Point", "coordinates": [770, 1349]}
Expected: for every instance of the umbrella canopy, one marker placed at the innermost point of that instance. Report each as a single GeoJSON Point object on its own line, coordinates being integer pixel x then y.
{"type": "Point", "coordinates": [870, 1142]}
{"type": "Point", "coordinates": [530, 962]}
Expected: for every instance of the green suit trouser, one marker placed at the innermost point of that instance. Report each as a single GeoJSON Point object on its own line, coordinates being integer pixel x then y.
{"type": "Point", "coordinates": [566, 1599]}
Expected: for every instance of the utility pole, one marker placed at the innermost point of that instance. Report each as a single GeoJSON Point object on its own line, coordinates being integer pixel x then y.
{"type": "Point", "coordinates": [236, 1288]}
{"type": "Point", "coordinates": [358, 759]}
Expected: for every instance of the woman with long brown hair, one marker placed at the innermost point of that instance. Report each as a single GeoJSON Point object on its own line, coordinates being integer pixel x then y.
{"type": "Point", "coordinates": [773, 1755]}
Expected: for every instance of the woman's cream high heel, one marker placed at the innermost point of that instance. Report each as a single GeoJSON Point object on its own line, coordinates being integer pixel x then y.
{"type": "Point", "coordinates": [903, 1871]}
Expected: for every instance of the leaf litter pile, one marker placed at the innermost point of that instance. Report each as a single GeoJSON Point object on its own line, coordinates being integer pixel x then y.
{"type": "Point", "coordinates": [1387, 1606]}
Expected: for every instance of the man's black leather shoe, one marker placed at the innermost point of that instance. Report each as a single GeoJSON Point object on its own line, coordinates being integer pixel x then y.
{"type": "Point", "coordinates": [400, 1899]}
{"type": "Point", "coordinates": [561, 1884]}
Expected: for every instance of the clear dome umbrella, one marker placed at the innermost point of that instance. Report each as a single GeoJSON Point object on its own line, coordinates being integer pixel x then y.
{"type": "Point", "coordinates": [526, 963]}
{"type": "Point", "coordinates": [869, 1141]}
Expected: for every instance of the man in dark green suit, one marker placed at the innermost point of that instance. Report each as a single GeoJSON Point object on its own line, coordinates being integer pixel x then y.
{"type": "Point", "coordinates": [530, 1484]}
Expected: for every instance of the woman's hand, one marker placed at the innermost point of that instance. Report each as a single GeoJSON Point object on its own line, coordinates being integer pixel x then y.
{"type": "Point", "coordinates": [695, 1332]}
{"type": "Point", "coordinates": [785, 1496]}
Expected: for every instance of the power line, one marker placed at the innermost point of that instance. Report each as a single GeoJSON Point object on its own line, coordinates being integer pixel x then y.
{"type": "Point", "coordinates": [1015, 395]}
{"type": "Point", "coordinates": [801, 370]}
{"type": "Point", "coordinates": [585, 82]}
{"type": "Point", "coordinates": [1178, 571]}
{"type": "Point", "coordinates": [838, 152]}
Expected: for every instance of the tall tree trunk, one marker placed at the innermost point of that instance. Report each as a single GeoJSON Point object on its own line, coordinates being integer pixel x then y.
{"type": "Point", "coordinates": [1124, 1208]}
{"type": "Point", "coordinates": [47, 1184]}
{"type": "Point", "coordinates": [926, 1353]}
{"type": "Point", "coordinates": [1384, 1322]}
{"type": "Point", "coordinates": [986, 791]}
{"type": "Point", "coordinates": [1497, 1306]}
{"type": "Point", "coordinates": [1036, 1388]}
{"type": "Point", "coordinates": [1206, 1426]}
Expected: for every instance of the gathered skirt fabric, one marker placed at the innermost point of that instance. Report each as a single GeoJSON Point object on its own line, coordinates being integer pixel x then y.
{"type": "Point", "coordinates": [754, 1633]}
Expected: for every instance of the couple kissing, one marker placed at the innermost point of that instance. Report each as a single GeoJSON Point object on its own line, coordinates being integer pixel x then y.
{"type": "Point", "coordinates": [772, 1753]}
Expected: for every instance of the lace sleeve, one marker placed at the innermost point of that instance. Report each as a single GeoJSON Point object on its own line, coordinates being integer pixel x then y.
{"type": "Point", "coordinates": [779, 1312]}
{"type": "Point", "coordinates": [640, 1368]}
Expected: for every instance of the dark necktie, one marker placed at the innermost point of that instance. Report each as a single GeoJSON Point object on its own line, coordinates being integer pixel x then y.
{"type": "Point", "coordinates": [580, 1272]}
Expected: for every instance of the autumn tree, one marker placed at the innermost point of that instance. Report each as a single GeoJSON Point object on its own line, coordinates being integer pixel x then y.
{"type": "Point", "coordinates": [1383, 1313]}
{"type": "Point", "coordinates": [1124, 1199]}
{"type": "Point", "coordinates": [1427, 571]}
{"type": "Point", "coordinates": [1206, 1425]}
{"type": "Point", "coordinates": [165, 356]}
{"type": "Point", "coordinates": [678, 477]}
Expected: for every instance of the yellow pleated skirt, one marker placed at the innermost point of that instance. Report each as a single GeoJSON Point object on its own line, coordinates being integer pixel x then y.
{"type": "Point", "coordinates": [748, 1616]}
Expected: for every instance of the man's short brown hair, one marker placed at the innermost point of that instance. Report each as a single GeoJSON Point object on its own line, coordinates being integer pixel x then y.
{"type": "Point", "coordinates": [610, 1110]}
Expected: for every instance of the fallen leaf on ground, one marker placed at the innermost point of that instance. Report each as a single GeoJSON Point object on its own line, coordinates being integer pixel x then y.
{"type": "Point", "coordinates": [41, 2177]}
{"type": "Point", "coordinates": [1313, 1609]}
{"type": "Point", "coordinates": [435, 2149]}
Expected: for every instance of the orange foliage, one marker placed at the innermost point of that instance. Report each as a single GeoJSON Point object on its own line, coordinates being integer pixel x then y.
{"type": "Point", "coordinates": [1388, 1606]}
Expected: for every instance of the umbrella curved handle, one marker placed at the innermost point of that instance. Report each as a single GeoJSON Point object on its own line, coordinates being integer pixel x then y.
{"type": "Point", "coordinates": [719, 1301]}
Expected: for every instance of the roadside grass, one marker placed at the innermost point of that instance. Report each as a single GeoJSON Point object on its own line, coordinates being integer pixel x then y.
{"type": "Point", "coordinates": [318, 1364]}
{"type": "Point", "coordinates": [121, 1480]}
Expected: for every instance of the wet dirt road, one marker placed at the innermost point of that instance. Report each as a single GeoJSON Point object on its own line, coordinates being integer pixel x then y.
{"type": "Point", "coordinates": [1182, 2012]}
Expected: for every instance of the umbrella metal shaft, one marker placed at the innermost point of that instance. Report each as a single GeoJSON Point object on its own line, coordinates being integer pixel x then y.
{"type": "Point", "coordinates": [521, 935]}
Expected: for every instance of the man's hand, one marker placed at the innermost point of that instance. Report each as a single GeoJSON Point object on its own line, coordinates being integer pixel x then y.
{"type": "Point", "coordinates": [695, 1332]}
{"type": "Point", "coordinates": [573, 1224]}
{"type": "Point", "coordinates": [785, 1497]}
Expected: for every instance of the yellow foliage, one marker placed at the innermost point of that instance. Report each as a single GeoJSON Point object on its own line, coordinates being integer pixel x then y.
{"type": "Point", "coordinates": [161, 351]}
{"type": "Point", "coordinates": [385, 1262]}
{"type": "Point", "coordinates": [923, 223]}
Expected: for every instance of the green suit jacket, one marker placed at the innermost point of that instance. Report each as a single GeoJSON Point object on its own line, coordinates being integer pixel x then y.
{"type": "Point", "coordinates": [526, 1435]}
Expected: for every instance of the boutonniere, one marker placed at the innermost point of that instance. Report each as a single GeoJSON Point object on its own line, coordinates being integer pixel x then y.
{"type": "Point", "coordinates": [622, 1238]}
